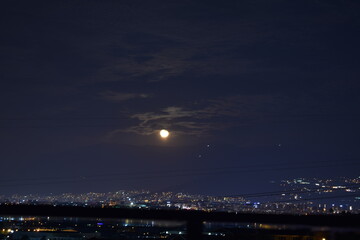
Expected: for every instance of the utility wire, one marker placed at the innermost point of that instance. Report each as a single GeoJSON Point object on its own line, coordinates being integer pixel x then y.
{"type": "Point", "coordinates": [158, 176]}
{"type": "Point", "coordinates": [315, 198]}
{"type": "Point", "coordinates": [299, 191]}
{"type": "Point", "coordinates": [235, 169]}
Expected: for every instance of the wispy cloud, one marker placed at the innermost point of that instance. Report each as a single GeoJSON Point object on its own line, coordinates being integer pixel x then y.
{"type": "Point", "coordinates": [119, 97]}
{"type": "Point", "coordinates": [201, 120]}
{"type": "Point", "coordinates": [175, 118]}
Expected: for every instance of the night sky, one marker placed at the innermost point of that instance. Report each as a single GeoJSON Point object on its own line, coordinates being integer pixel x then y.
{"type": "Point", "coordinates": [251, 91]}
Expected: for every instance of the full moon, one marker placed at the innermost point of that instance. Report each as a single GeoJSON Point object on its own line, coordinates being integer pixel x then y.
{"type": "Point", "coordinates": [164, 133]}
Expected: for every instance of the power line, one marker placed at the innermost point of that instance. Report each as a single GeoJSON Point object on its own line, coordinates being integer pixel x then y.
{"type": "Point", "coordinates": [156, 175]}
{"type": "Point", "coordinates": [227, 169]}
{"type": "Point", "coordinates": [316, 198]}
{"type": "Point", "coordinates": [300, 191]}
{"type": "Point", "coordinates": [246, 168]}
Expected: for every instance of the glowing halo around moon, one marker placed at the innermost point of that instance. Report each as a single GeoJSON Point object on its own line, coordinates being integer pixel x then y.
{"type": "Point", "coordinates": [164, 133]}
